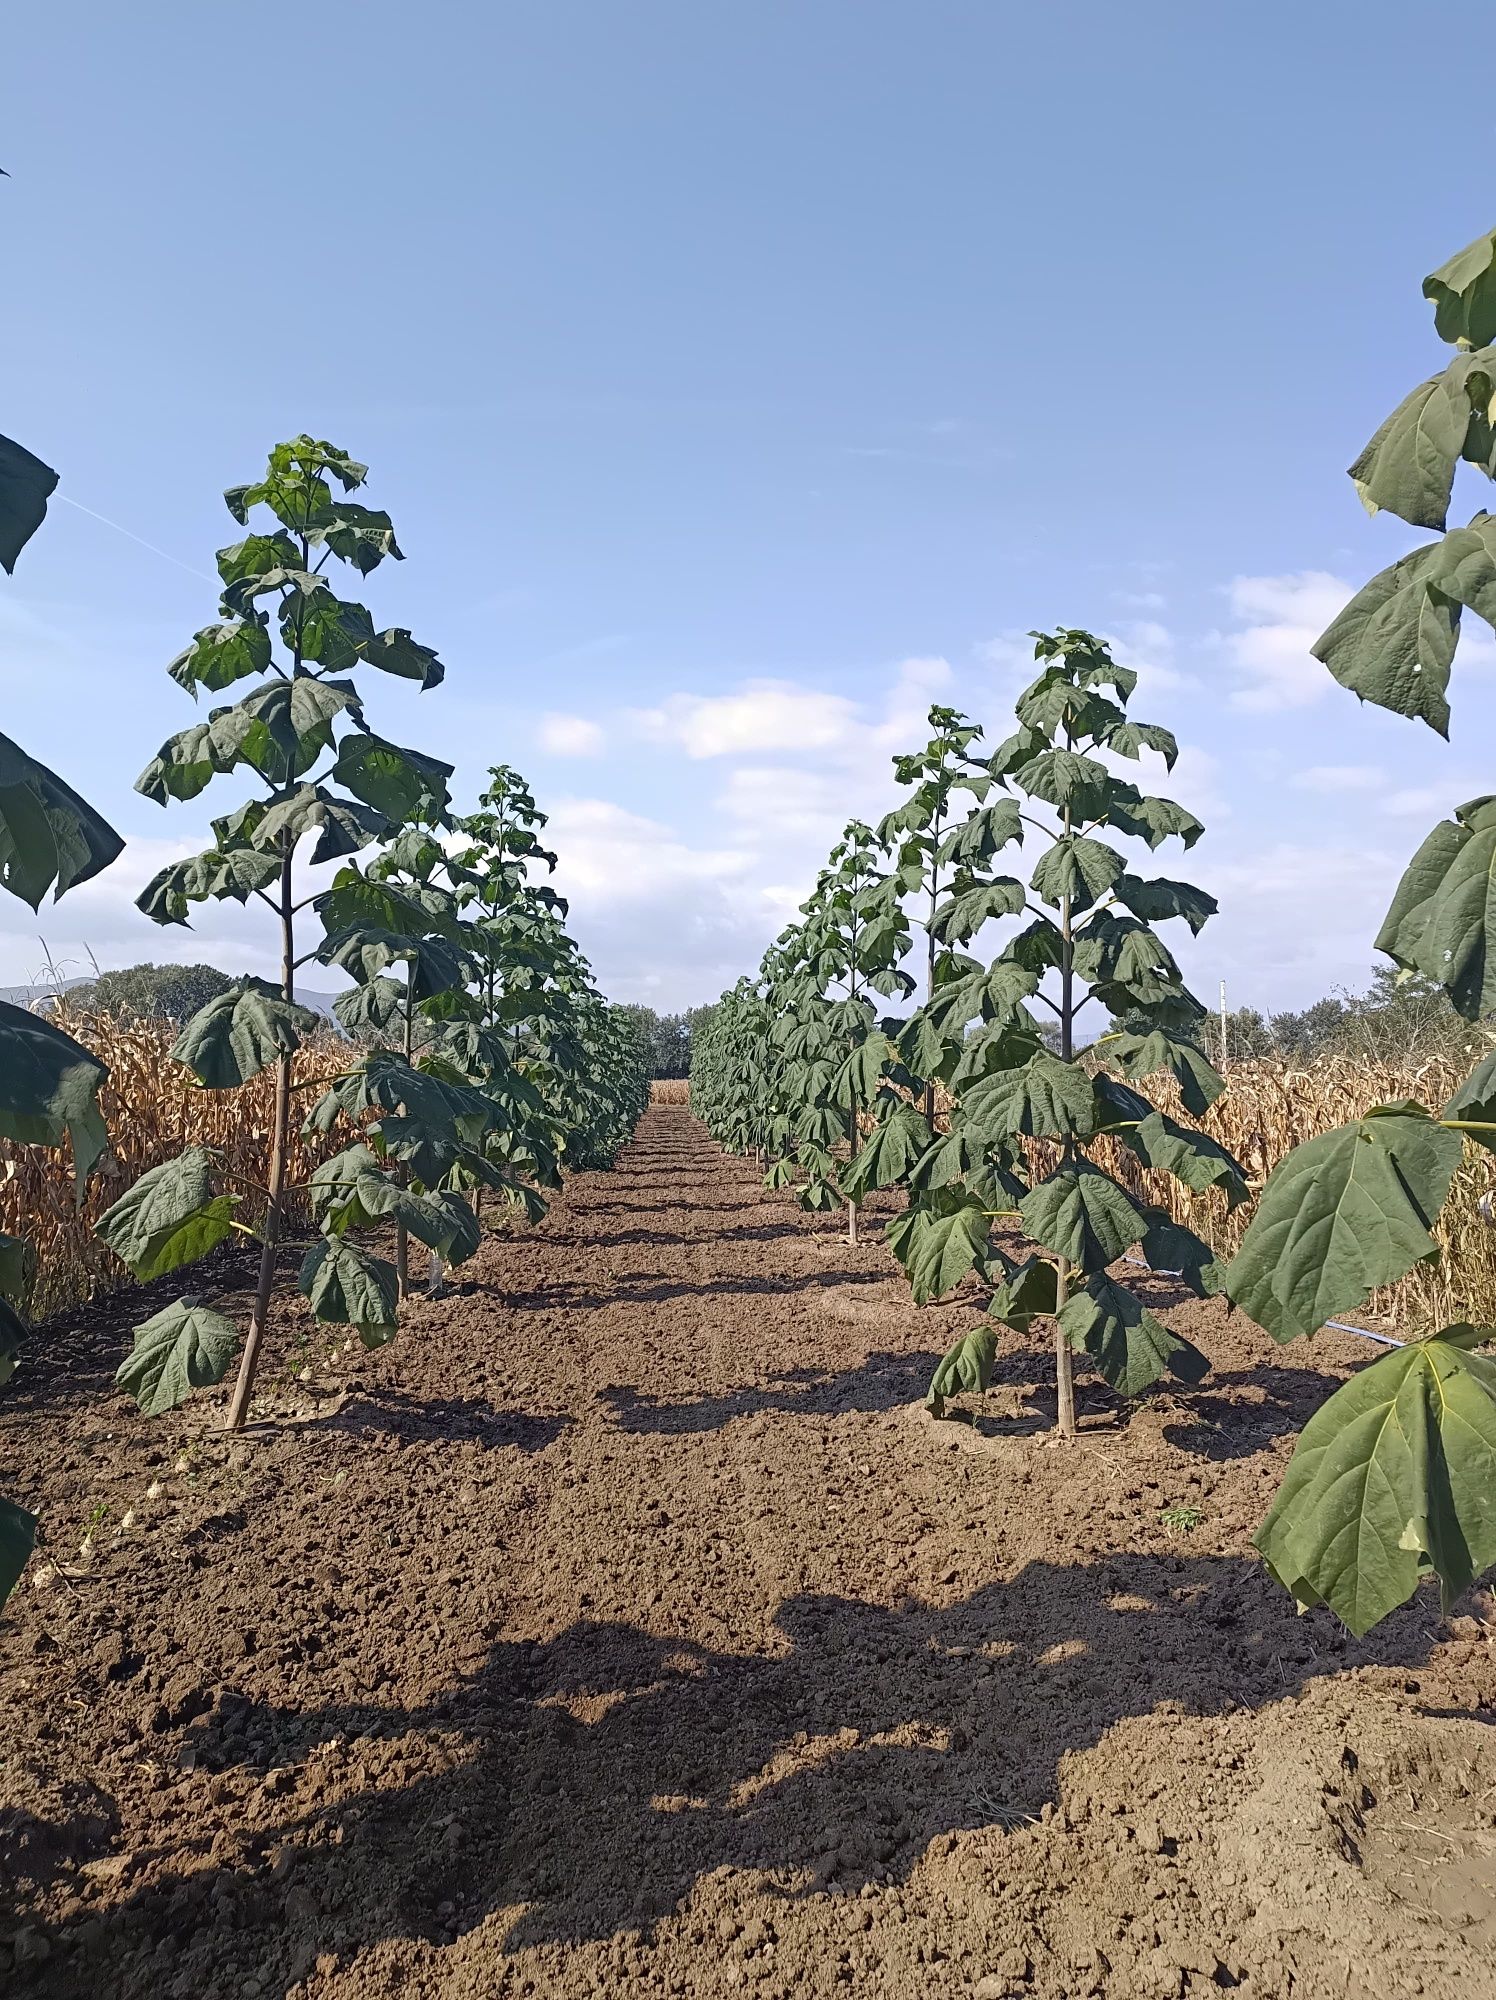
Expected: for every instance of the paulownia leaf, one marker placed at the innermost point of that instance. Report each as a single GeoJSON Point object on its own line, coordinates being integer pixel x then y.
{"type": "Point", "coordinates": [17, 1263]}
{"type": "Point", "coordinates": [1156, 900]}
{"type": "Point", "coordinates": [889, 1152]}
{"type": "Point", "coordinates": [1154, 820]}
{"type": "Point", "coordinates": [1394, 641]}
{"type": "Point", "coordinates": [1463, 292]}
{"type": "Point", "coordinates": [1342, 1214]}
{"type": "Point", "coordinates": [1027, 1294]}
{"type": "Point", "coordinates": [49, 1089]}
{"type": "Point", "coordinates": [49, 837]}
{"type": "Point", "coordinates": [17, 1527]}
{"type": "Point", "coordinates": [960, 918]}
{"type": "Point", "coordinates": [1473, 1105]}
{"type": "Point", "coordinates": [350, 1288]}
{"type": "Point", "coordinates": [1081, 1213]}
{"type": "Point", "coordinates": [1129, 739]}
{"type": "Point", "coordinates": [1442, 922]}
{"type": "Point", "coordinates": [938, 1239]}
{"type": "Point", "coordinates": [1065, 780]}
{"type": "Point", "coordinates": [222, 654]}
{"type": "Point", "coordinates": [240, 1032]}
{"type": "Point", "coordinates": [965, 1366]}
{"type": "Point", "coordinates": [1167, 1245]}
{"type": "Point", "coordinates": [1046, 1099]}
{"type": "Point", "coordinates": [1393, 1477]}
{"type": "Point", "coordinates": [402, 784]}
{"type": "Point", "coordinates": [170, 1217]}
{"type": "Point", "coordinates": [1131, 1349]}
{"type": "Point", "coordinates": [26, 485]}
{"type": "Point", "coordinates": [1192, 1157]}
{"type": "Point", "coordinates": [1409, 465]}
{"type": "Point", "coordinates": [1080, 868]}
{"type": "Point", "coordinates": [221, 874]}
{"type": "Point", "coordinates": [186, 1347]}
{"type": "Point", "coordinates": [1139, 1056]}
{"type": "Point", "coordinates": [346, 825]}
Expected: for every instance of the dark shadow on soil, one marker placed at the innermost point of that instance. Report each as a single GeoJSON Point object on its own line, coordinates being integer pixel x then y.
{"type": "Point", "coordinates": [582, 1825]}
{"type": "Point", "coordinates": [885, 1381]}
{"type": "Point", "coordinates": [446, 1420]}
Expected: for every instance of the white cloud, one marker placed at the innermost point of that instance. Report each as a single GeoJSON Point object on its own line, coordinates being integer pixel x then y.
{"type": "Point", "coordinates": [1338, 778]}
{"type": "Point", "coordinates": [570, 735]}
{"type": "Point", "coordinates": [1428, 801]}
{"type": "Point", "coordinates": [1279, 619]}
{"type": "Point", "coordinates": [761, 715]}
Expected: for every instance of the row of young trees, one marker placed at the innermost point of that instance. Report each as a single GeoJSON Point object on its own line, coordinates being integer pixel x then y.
{"type": "Point", "coordinates": [482, 1059]}
{"type": "Point", "coordinates": [981, 1104]}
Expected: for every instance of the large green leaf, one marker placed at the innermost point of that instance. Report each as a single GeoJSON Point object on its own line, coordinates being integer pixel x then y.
{"type": "Point", "coordinates": [889, 1152]}
{"type": "Point", "coordinates": [1154, 820]}
{"type": "Point", "coordinates": [966, 1365]}
{"type": "Point", "coordinates": [1393, 1477]}
{"type": "Point", "coordinates": [170, 1217]}
{"type": "Point", "coordinates": [279, 729]}
{"type": "Point", "coordinates": [1409, 465]}
{"type": "Point", "coordinates": [17, 1265]}
{"type": "Point", "coordinates": [1029, 1293]}
{"type": "Point", "coordinates": [938, 1240]}
{"type": "Point", "coordinates": [350, 1288]}
{"type": "Point", "coordinates": [1066, 780]}
{"type": "Point", "coordinates": [241, 1031]}
{"type": "Point", "coordinates": [26, 485]}
{"type": "Point", "coordinates": [1394, 641]}
{"type": "Point", "coordinates": [1081, 1213]}
{"type": "Point", "coordinates": [1342, 1214]}
{"type": "Point", "coordinates": [17, 1540]}
{"type": "Point", "coordinates": [402, 784]}
{"type": "Point", "coordinates": [1130, 739]}
{"type": "Point", "coordinates": [186, 1347]}
{"type": "Point", "coordinates": [1192, 1157]}
{"type": "Point", "coordinates": [1160, 898]}
{"type": "Point", "coordinates": [1131, 1349]}
{"type": "Point", "coordinates": [49, 837]}
{"type": "Point", "coordinates": [1463, 292]}
{"type": "Point", "coordinates": [1046, 1099]}
{"type": "Point", "coordinates": [1167, 1245]}
{"type": "Point", "coordinates": [1139, 1056]}
{"type": "Point", "coordinates": [962, 915]}
{"type": "Point", "coordinates": [1078, 867]}
{"type": "Point", "coordinates": [1442, 922]}
{"type": "Point", "coordinates": [345, 825]}
{"type": "Point", "coordinates": [49, 1089]}
{"type": "Point", "coordinates": [222, 654]}
{"type": "Point", "coordinates": [1473, 1105]}
{"type": "Point", "coordinates": [220, 874]}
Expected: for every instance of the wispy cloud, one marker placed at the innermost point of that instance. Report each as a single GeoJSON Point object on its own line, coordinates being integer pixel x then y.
{"type": "Point", "coordinates": [1278, 620]}
{"type": "Point", "coordinates": [570, 735]}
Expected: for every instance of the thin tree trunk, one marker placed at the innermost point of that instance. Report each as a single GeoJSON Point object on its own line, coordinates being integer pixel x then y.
{"type": "Point", "coordinates": [851, 1155]}
{"type": "Point", "coordinates": [279, 1148]}
{"type": "Point", "coordinates": [402, 1239]}
{"type": "Point", "coordinates": [1064, 1356]}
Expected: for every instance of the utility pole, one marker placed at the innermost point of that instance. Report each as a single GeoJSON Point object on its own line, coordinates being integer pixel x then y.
{"type": "Point", "coordinates": [1223, 1025]}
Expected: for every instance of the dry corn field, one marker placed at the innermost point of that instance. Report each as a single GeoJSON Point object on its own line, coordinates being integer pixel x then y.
{"type": "Point", "coordinates": [154, 1108]}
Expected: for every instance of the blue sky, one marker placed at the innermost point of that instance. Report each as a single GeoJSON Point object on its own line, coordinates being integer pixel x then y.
{"type": "Point", "coordinates": [740, 379]}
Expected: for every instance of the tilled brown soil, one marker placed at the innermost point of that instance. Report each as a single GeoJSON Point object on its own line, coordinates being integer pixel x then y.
{"type": "Point", "coordinates": [625, 1628]}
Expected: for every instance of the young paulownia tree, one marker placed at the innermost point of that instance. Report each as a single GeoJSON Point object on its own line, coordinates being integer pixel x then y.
{"type": "Point", "coordinates": [323, 778]}
{"type": "Point", "coordinates": [1025, 1117]}
{"type": "Point", "coordinates": [50, 840]}
{"type": "Point", "coordinates": [1394, 1477]}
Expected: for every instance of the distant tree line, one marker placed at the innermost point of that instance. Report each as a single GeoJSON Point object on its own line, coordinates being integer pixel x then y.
{"type": "Point", "coordinates": [1398, 1019]}
{"type": "Point", "coordinates": [668, 1037]}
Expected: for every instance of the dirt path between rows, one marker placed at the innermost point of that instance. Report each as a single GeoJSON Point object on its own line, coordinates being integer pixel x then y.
{"type": "Point", "coordinates": [625, 1628]}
